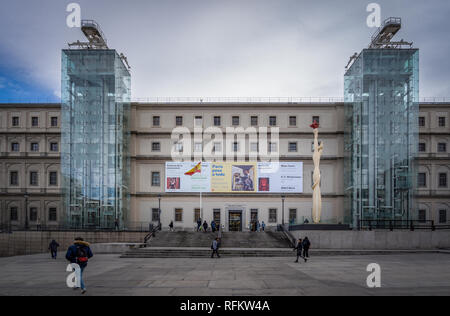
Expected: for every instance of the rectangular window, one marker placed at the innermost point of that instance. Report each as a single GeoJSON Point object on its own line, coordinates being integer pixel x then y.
{"type": "Point", "coordinates": [292, 215]}
{"type": "Point", "coordinates": [179, 147]}
{"type": "Point", "coordinates": [54, 121]}
{"type": "Point", "coordinates": [14, 178]}
{"type": "Point", "coordinates": [52, 214]}
{"type": "Point", "coordinates": [217, 121]}
{"type": "Point", "coordinates": [253, 215]}
{"type": "Point", "coordinates": [442, 147]}
{"type": "Point", "coordinates": [422, 147]}
{"type": "Point", "coordinates": [198, 147]}
{"type": "Point", "coordinates": [442, 121]}
{"type": "Point", "coordinates": [156, 146]}
{"type": "Point", "coordinates": [156, 179]}
{"type": "Point", "coordinates": [217, 216]}
{"type": "Point", "coordinates": [155, 214]}
{"type": "Point", "coordinates": [316, 119]}
{"type": "Point", "coordinates": [178, 215]}
{"type": "Point", "coordinates": [273, 147]}
{"type": "Point", "coordinates": [235, 146]}
{"type": "Point", "coordinates": [35, 121]}
{"type": "Point", "coordinates": [272, 215]}
{"type": "Point", "coordinates": [15, 121]}
{"type": "Point", "coordinates": [198, 121]}
{"type": "Point", "coordinates": [34, 178]}
{"type": "Point", "coordinates": [292, 147]}
{"type": "Point", "coordinates": [254, 147]}
{"type": "Point", "coordinates": [442, 216]}
{"type": "Point", "coordinates": [422, 216]}
{"type": "Point", "coordinates": [14, 214]}
{"type": "Point", "coordinates": [156, 121]}
{"type": "Point", "coordinates": [293, 121]}
{"type": "Point", "coordinates": [33, 214]}
{"type": "Point", "coordinates": [422, 180]}
{"type": "Point", "coordinates": [34, 147]}
{"type": "Point", "coordinates": [54, 147]}
{"type": "Point", "coordinates": [179, 121]}
{"type": "Point", "coordinates": [421, 121]}
{"type": "Point", "coordinates": [235, 121]}
{"type": "Point", "coordinates": [53, 178]}
{"type": "Point", "coordinates": [217, 147]}
{"type": "Point", "coordinates": [442, 180]}
{"type": "Point", "coordinates": [273, 121]}
{"type": "Point", "coordinates": [196, 215]}
{"type": "Point", "coordinates": [15, 147]}
{"type": "Point", "coordinates": [254, 121]}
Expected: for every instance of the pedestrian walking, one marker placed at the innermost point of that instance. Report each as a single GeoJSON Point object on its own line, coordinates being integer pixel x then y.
{"type": "Point", "coordinates": [53, 247]}
{"type": "Point", "coordinates": [299, 248]}
{"type": "Point", "coordinates": [213, 226]}
{"type": "Point", "coordinates": [199, 224]}
{"type": "Point", "coordinates": [215, 248]}
{"type": "Point", "coordinates": [205, 226]}
{"type": "Point", "coordinates": [80, 253]}
{"type": "Point", "coordinates": [258, 226]}
{"type": "Point", "coordinates": [116, 224]}
{"type": "Point", "coordinates": [306, 246]}
{"type": "Point", "coordinates": [263, 226]}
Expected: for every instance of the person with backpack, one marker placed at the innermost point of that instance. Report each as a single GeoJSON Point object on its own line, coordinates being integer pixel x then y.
{"type": "Point", "coordinates": [306, 246]}
{"type": "Point", "coordinates": [199, 224]}
{"type": "Point", "coordinates": [215, 248]}
{"type": "Point", "coordinates": [299, 249]}
{"type": "Point", "coordinates": [80, 253]}
{"type": "Point", "coordinates": [53, 247]}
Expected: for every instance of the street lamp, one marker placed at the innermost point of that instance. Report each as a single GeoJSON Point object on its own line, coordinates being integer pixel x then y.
{"type": "Point", "coordinates": [159, 210]}
{"type": "Point", "coordinates": [27, 226]}
{"type": "Point", "coordinates": [283, 197]}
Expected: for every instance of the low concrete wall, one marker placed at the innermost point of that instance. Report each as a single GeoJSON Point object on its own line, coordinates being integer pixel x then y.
{"type": "Point", "coordinates": [383, 239]}
{"type": "Point", "coordinates": [27, 243]}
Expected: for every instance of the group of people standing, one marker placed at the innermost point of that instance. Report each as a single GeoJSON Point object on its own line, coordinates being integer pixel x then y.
{"type": "Point", "coordinates": [256, 226]}
{"type": "Point", "coordinates": [204, 227]}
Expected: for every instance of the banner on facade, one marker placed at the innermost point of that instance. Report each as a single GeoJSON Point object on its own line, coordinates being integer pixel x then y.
{"type": "Point", "coordinates": [234, 177]}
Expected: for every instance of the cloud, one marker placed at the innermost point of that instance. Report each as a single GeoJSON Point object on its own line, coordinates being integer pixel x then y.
{"type": "Point", "coordinates": [224, 48]}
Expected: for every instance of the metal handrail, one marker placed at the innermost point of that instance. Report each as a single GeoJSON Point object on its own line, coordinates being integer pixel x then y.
{"type": "Point", "coordinates": [398, 224]}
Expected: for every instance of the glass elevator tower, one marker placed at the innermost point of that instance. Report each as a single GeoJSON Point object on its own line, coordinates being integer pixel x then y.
{"type": "Point", "coordinates": [381, 133]}
{"type": "Point", "coordinates": [95, 138]}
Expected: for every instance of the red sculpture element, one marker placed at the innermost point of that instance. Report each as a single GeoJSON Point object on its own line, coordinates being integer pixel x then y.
{"type": "Point", "coordinates": [314, 125]}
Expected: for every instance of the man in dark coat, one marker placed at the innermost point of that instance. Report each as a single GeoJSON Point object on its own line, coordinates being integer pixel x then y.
{"type": "Point", "coordinates": [199, 224]}
{"type": "Point", "coordinates": [215, 248]}
{"type": "Point", "coordinates": [53, 247]}
{"type": "Point", "coordinates": [306, 246]}
{"type": "Point", "coordinates": [79, 253]}
{"type": "Point", "coordinates": [299, 249]}
{"type": "Point", "coordinates": [205, 226]}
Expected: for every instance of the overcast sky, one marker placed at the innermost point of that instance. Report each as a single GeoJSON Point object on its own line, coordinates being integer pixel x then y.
{"type": "Point", "coordinates": [219, 48]}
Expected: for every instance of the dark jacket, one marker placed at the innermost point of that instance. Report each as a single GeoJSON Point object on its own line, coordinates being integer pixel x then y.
{"type": "Point", "coordinates": [299, 247]}
{"type": "Point", "coordinates": [306, 244]}
{"type": "Point", "coordinates": [71, 254]}
{"type": "Point", "coordinates": [53, 246]}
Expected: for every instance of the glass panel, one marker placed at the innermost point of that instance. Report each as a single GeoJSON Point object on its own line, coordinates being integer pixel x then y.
{"type": "Point", "coordinates": [95, 138]}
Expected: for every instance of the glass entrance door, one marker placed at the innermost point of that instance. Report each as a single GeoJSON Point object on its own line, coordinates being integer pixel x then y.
{"type": "Point", "coordinates": [235, 221]}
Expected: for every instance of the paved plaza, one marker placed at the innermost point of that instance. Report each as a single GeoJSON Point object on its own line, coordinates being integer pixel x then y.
{"type": "Point", "coordinates": [402, 274]}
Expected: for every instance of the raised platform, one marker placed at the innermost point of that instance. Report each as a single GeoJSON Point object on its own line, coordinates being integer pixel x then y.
{"type": "Point", "coordinates": [319, 227]}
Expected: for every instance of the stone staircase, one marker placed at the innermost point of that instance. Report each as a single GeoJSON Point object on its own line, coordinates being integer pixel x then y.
{"type": "Point", "coordinates": [183, 244]}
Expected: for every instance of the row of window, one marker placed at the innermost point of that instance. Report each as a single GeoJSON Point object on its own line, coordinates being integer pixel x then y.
{"type": "Point", "coordinates": [15, 121]}
{"type": "Point", "coordinates": [34, 147]}
{"type": "Point", "coordinates": [52, 214]}
{"type": "Point", "coordinates": [217, 147]}
{"type": "Point", "coordinates": [33, 178]}
{"type": "Point", "coordinates": [235, 121]}
{"type": "Point", "coordinates": [273, 215]}
{"type": "Point", "coordinates": [441, 121]}
{"type": "Point", "coordinates": [442, 216]}
{"type": "Point", "coordinates": [441, 147]}
{"type": "Point", "coordinates": [422, 180]}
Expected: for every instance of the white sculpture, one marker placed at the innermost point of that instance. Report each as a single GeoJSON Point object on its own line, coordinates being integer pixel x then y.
{"type": "Point", "coordinates": [317, 195]}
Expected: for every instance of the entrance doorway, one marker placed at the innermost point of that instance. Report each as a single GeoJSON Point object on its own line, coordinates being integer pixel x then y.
{"type": "Point", "coordinates": [235, 221]}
